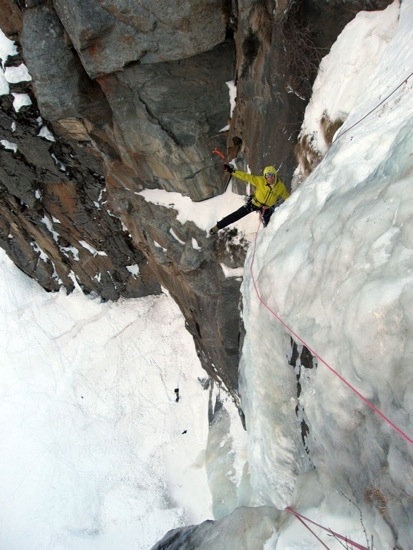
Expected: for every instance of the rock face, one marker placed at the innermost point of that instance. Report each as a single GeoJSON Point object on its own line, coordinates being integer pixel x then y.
{"type": "Point", "coordinates": [55, 223]}
{"type": "Point", "coordinates": [110, 34]}
{"type": "Point", "coordinates": [257, 524]}
{"type": "Point", "coordinates": [128, 96]}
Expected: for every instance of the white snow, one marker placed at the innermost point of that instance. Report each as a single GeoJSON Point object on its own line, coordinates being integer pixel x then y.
{"type": "Point", "coordinates": [204, 214]}
{"type": "Point", "coordinates": [134, 269]}
{"type": "Point", "coordinates": [58, 163]}
{"type": "Point", "coordinates": [175, 236]}
{"type": "Point", "coordinates": [17, 74]}
{"type": "Point", "coordinates": [45, 133]}
{"type": "Point", "coordinates": [9, 145]}
{"type": "Point", "coordinates": [12, 74]}
{"type": "Point", "coordinates": [97, 453]}
{"type": "Point", "coordinates": [45, 220]}
{"type": "Point", "coordinates": [4, 85]}
{"type": "Point", "coordinates": [157, 245]}
{"type": "Point", "coordinates": [92, 249]}
{"type": "Point", "coordinates": [7, 48]}
{"type": "Point", "coordinates": [93, 449]}
{"type": "Point", "coordinates": [195, 244]}
{"type": "Point", "coordinates": [232, 272]}
{"type": "Point", "coordinates": [42, 255]}
{"type": "Point", "coordinates": [20, 101]}
{"type": "Point", "coordinates": [232, 95]}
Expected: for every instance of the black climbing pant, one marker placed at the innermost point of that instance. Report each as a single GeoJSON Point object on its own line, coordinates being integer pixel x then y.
{"type": "Point", "coordinates": [244, 211]}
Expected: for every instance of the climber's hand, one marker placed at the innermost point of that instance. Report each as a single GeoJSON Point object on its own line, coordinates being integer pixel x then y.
{"type": "Point", "coordinates": [228, 168]}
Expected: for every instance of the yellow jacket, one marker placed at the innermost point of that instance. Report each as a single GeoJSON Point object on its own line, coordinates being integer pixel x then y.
{"type": "Point", "coordinates": [265, 194]}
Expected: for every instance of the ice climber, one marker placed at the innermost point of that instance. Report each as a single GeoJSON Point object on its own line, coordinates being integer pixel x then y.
{"type": "Point", "coordinates": [268, 191]}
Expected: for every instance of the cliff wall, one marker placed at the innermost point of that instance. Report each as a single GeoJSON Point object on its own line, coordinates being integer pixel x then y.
{"type": "Point", "coordinates": [131, 96]}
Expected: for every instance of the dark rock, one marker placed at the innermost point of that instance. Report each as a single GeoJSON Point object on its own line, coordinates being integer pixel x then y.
{"type": "Point", "coordinates": [110, 34]}
{"type": "Point", "coordinates": [10, 17]}
{"type": "Point", "coordinates": [55, 223]}
{"type": "Point", "coordinates": [63, 90]}
{"type": "Point", "coordinates": [169, 116]}
{"type": "Point", "coordinates": [243, 524]}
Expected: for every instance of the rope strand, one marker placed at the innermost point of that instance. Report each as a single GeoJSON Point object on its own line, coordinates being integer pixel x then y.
{"type": "Point", "coordinates": [303, 519]}
{"type": "Point", "coordinates": [374, 108]}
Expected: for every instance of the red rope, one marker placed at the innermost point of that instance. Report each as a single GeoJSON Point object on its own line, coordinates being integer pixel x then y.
{"type": "Point", "coordinates": [303, 520]}
{"type": "Point", "coordinates": [315, 354]}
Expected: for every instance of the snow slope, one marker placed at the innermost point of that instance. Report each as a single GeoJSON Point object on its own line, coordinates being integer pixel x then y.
{"type": "Point", "coordinates": [96, 452]}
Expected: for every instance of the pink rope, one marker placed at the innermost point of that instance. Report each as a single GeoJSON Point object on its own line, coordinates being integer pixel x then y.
{"type": "Point", "coordinates": [315, 354]}
{"type": "Point", "coordinates": [297, 515]}
{"type": "Point", "coordinates": [303, 519]}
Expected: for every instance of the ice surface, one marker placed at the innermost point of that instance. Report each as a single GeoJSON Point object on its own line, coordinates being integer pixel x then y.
{"type": "Point", "coordinates": [343, 73]}
{"type": "Point", "coordinates": [336, 267]}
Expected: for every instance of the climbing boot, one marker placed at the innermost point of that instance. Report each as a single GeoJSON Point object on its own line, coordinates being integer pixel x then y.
{"type": "Point", "coordinates": [214, 230]}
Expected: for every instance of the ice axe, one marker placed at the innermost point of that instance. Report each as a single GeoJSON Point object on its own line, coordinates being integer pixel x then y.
{"type": "Point", "coordinates": [224, 158]}
{"type": "Point", "coordinates": [216, 151]}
